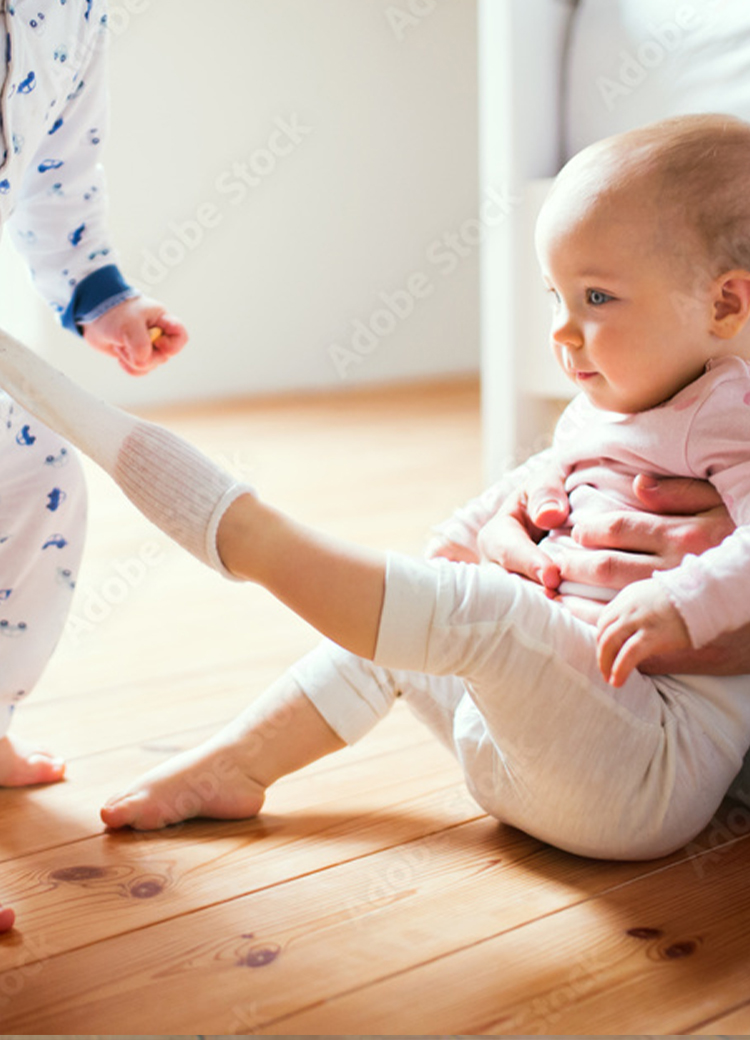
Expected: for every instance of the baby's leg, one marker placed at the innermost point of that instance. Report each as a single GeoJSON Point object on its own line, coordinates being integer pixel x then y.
{"type": "Point", "coordinates": [42, 529]}
{"type": "Point", "coordinates": [545, 743]}
{"type": "Point", "coordinates": [225, 777]}
{"type": "Point", "coordinates": [328, 699]}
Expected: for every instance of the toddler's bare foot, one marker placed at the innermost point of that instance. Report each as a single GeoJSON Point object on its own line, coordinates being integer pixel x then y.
{"type": "Point", "coordinates": [7, 919]}
{"type": "Point", "coordinates": [209, 781]}
{"type": "Point", "coordinates": [22, 765]}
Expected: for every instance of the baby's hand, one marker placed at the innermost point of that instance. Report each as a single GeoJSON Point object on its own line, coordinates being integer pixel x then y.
{"type": "Point", "coordinates": [130, 333]}
{"type": "Point", "coordinates": [638, 623]}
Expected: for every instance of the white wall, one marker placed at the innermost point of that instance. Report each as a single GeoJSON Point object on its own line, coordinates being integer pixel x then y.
{"type": "Point", "coordinates": [379, 187]}
{"type": "Point", "coordinates": [521, 45]}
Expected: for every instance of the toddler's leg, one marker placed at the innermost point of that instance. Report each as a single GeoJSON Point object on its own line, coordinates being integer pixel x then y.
{"type": "Point", "coordinates": [174, 485]}
{"type": "Point", "coordinates": [42, 529]}
{"type": "Point", "coordinates": [7, 918]}
{"type": "Point", "coordinates": [338, 588]}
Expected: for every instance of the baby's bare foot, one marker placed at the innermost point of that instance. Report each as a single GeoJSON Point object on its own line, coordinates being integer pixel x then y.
{"type": "Point", "coordinates": [208, 781]}
{"type": "Point", "coordinates": [226, 777]}
{"type": "Point", "coordinates": [22, 765]}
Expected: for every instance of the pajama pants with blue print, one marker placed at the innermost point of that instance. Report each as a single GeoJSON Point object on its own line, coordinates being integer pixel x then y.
{"type": "Point", "coordinates": [42, 530]}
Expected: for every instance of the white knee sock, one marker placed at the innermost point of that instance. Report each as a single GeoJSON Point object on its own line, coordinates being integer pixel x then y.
{"type": "Point", "coordinates": [173, 484]}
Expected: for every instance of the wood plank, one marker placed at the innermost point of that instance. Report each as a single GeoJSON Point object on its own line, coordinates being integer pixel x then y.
{"type": "Point", "coordinates": [45, 817]}
{"type": "Point", "coordinates": [98, 880]}
{"type": "Point", "coordinates": [372, 886]}
{"type": "Point", "coordinates": [650, 956]}
{"type": "Point", "coordinates": [319, 936]}
{"type": "Point", "coordinates": [736, 1023]}
{"type": "Point", "coordinates": [192, 696]}
{"type": "Point", "coordinates": [314, 937]}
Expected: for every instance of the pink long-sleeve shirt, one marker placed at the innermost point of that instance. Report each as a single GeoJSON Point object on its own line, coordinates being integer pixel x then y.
{"type": "Point", "coordinates": [702, 432]}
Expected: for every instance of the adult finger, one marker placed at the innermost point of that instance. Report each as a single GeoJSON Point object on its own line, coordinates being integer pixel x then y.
{"type": "Point", "coordinates": [546, 498]}
{"type": "Point", "coordinates": [667, 539]}
{"type": "Point", "coordinates": [506, 540]}
{"type": "Point", "coordinates": [604, 568]}
{"type": "Point", "coordinates": [675, 495]}
{"type": "Point", "coordinates": [625, 531]}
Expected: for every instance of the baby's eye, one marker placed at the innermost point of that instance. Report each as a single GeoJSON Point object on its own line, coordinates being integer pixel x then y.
{"type": "Point", "coordinates": [596, 297]}
{"type": "Point", "coordinates": [553, 294]}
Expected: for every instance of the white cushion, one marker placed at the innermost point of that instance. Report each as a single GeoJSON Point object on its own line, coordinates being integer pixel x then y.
{"type": "Point", "coordinates": [631, 62]}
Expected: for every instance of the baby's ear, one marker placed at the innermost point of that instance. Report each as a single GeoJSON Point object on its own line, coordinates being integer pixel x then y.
{"type": "Point", "coordinates": [731, 303]}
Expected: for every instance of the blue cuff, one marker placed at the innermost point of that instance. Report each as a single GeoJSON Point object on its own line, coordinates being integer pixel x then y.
{"type": "Point", "coordinates": [97, 293]}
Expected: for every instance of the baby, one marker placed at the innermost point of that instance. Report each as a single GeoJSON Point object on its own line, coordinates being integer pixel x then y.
{"type": "Point", "coordinates": [644, 244]}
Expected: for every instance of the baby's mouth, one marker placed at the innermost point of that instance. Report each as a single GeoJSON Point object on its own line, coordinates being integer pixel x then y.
{"type": "Point", "coordinates": [580, 375]}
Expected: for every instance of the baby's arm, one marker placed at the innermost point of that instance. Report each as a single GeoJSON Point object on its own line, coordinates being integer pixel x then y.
{"type": "Point", "coordinates": [457, 537]}
{"type": "Point", "coordinates": [638, 623]}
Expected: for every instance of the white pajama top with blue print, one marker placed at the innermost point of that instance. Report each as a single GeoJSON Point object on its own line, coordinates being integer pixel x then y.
{"type": "Point", "coordinates": [53, 112]}
{"type": "Point", "coordinates": [52, 122]}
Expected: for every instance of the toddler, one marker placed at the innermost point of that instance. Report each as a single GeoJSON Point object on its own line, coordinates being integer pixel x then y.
{"type": "Point", "coordinates": [644, 244]}
{"type": "Point", "coordinates": [52, 122]}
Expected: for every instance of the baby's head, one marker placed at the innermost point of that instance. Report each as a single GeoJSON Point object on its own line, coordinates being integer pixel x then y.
{"type": "Point", "coordinates": [644, 242]}
{"type": "Point", "coordinates": [689, 174]}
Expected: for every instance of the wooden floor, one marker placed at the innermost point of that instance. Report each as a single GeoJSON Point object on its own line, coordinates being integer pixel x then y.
{"type": "Point", "coordinates": [372, 893]}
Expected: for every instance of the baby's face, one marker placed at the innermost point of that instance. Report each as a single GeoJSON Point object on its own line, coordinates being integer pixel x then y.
{"type": "Point", "coordinates": [627, 328]}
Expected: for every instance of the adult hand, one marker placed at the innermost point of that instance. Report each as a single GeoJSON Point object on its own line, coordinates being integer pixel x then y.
{"type": "Point", "coordinates": [138, 333]}
{"type": "Point", "coordinates": [510, 538]}
{"type": "Point", "coordinates": [680, 516]}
